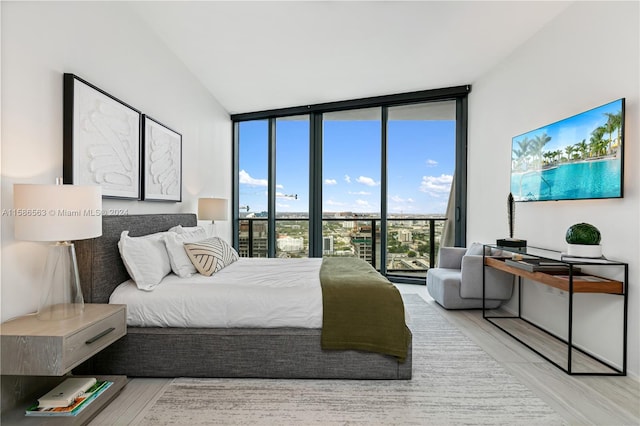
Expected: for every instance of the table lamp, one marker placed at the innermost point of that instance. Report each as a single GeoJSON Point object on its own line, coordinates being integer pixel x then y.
{"type": "Point", "coordinates": [58, 213]}
{"type": "Point", "coordinates": [212, 209]}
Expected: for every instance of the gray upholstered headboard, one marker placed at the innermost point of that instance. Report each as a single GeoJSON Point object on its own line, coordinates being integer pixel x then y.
{"type": "Point", "coordinates": [99, 263]}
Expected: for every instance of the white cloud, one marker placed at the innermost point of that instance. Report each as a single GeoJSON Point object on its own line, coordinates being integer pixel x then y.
{"type": "Point", "coordinates": [248, 180]}
{"type": "Point", "coordinates": [330, 182]}
{"type": "Point", "coordinates": [347, 178]}
{"type": "Point", "coordinates": [436, 186]}
{"type": "Point", "coordinates": [431, 163]}
{"type": "Point", "coordinates": [367, 181]}
{"type": "Point", "coordinates": [362, 203]}
{"type": "Point", "coordinates": [333, 203]}
{"type": "Point", "coordinates": [397, 199]}
{"type": "Point", "coordinates": [359, 193]}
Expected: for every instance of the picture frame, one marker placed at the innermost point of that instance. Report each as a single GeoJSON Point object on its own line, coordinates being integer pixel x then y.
{"type": "Point", "coordinates": [101, 140]}
{"type": "Point", "coordinates": [162, 154]}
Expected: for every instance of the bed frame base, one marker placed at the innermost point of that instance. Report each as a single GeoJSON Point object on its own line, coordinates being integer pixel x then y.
{"type": "Point", "coordinates": [205, 352]}
{"type": "Point", "coordinates": [285, 353]}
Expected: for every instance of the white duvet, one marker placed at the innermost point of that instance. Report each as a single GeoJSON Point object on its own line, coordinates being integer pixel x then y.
{"type": "Point", "coordinates": [251, 292]}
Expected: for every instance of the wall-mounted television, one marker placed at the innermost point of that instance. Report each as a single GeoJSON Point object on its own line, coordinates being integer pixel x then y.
{"type": "Point", "coordinates": [577, 158]}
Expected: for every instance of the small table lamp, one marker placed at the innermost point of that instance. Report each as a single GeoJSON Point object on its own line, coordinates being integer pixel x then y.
{"type": "Point", "coordinates": [60, 213]}
{"type": "Point", "coordinates": [212, 209]}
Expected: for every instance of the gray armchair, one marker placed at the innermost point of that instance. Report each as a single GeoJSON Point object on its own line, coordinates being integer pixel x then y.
{"type": "Point", "coordinates": [457, 281]}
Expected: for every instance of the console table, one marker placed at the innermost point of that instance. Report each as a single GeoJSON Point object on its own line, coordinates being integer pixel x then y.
{"type": "Point", "coordinates": [568, 278]}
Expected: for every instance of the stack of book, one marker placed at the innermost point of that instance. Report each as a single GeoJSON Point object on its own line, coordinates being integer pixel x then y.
{"type": "Point", "coordinates": [539, 265]}
{"type": "Point", "coordinates": [69, 398]}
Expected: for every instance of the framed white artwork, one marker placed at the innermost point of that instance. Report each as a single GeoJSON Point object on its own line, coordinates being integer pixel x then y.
{"type": "Point", "coordinates": [101, 140]}
{"type": "Point", "coordinates": [162, 154]}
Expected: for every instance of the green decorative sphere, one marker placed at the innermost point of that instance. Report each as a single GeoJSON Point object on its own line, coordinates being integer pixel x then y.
{"type": "Point", "coordinates": [583, 233]}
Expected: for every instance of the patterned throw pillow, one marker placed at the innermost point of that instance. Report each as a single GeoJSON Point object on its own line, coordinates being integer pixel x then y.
{"type": "Point", "coordinates": [210, 255]}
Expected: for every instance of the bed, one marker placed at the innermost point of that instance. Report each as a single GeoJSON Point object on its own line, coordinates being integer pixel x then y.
{"type": "Point", "coordinates": [158, 351]}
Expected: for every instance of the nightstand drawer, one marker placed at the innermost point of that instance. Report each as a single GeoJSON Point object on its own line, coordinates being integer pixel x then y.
{"type": "Point", "coordinates": [82, 345]}
{"type": "Point", "coordinates": [34, 347]}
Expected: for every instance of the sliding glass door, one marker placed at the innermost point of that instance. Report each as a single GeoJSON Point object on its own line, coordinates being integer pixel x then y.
{"type": "Point", "coordinates": [421, 156]}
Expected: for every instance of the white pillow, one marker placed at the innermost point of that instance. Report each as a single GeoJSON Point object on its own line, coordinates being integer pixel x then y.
{"type": "Point", "coordinates": [180, 263]}
{"type": "Point", "coordinates": [145, 258]}
{"type": "Point", "coordinates": [200, 231]}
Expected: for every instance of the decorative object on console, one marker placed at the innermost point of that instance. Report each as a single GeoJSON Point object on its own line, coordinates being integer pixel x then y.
{"type": "Point", "coordinates": [60, 213]}
{"type": "Point", "coordinates": [583, 240]}
{"type": "Point", "coordinates": [512, 243]}
{"type": "Point", "coordinates": [162, 162]}
{"type": "Point", "coordinates": [101, 137]}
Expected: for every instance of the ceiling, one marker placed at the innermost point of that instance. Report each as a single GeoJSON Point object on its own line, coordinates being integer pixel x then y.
{"type": "Point", "coordinates": [254, 56]}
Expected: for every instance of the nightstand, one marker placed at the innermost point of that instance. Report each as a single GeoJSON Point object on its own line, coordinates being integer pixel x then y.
{"type": "Point", "coordinates": [32, 347]}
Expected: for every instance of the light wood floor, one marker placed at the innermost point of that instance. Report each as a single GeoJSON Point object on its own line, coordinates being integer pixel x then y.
{"type": "Point", "coordinates": [580, 400]}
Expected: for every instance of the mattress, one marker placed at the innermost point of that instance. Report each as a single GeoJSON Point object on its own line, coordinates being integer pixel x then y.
{"type": "Point", "coordinates": [249, 293]}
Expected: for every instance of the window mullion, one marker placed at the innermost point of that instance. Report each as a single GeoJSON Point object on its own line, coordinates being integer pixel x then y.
{"type": "Point", "coordinates": [271, 191]}
{"type": "Point", "coordinates": [235, 178]}
{"type": "Point", "coordinates": [383, 191]}
{"type": "Point", "coordinates": [315, 185]}
{"type": "Point", "coordinates": [461, 173]}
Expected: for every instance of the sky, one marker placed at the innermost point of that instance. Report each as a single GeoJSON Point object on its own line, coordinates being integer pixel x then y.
{"type": "Point", "coordinates": [421, 161]}
{"type": "Point", "coordinates": [572, 130]}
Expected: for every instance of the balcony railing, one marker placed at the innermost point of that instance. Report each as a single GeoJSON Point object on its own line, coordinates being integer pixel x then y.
{"type": "Point", "coordinates": [412, 242]}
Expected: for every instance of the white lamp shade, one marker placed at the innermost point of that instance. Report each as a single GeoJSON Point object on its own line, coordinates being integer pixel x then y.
{"type": "Point", "coordinates": [57, 212]}
{"type": "Point", "coordinates": [212, 209]}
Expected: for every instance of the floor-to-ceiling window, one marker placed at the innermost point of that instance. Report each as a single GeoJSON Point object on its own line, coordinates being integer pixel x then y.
{"type": "Point", "coordinates": [421, 156]}
{"type": "Point", "coordinates": [253, 181]}
{"type": "Point", "coordinates": [292, 186]}
{"type": "Point", "coordinates": [351, 150]}
{"type": "Point", "coordinates": [382, 179]}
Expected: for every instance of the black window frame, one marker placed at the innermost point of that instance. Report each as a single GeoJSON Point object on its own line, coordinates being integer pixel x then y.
{"type": "Point", "coordinates": [315, 113]}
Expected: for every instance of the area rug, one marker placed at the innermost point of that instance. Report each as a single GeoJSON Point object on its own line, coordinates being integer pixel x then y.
{"type": "Point", "coordinates": [454, 382]}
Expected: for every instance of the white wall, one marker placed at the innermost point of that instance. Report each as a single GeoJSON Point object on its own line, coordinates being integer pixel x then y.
{"type": "Point", "coordinates": [586, 57]}
{"type": "Point", "coordinates": [106, 44]}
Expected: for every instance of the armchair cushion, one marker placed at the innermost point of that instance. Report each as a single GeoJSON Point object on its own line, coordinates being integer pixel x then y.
{"type": "Point", "coordinates": [474, 249]}
{"type": "Point", "coordinates": [451, 257]}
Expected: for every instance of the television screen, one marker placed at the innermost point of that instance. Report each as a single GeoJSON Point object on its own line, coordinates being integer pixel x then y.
{"type": "Point", "coordinates": [580, 157]}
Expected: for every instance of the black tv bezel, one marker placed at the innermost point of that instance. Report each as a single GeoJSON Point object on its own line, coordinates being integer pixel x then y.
{"type": "Point", "coordinates": [622, 155]}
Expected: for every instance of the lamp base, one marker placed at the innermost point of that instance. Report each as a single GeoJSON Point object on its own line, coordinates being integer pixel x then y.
{"type": "Point", "coordinates": [61, 311]}
{"type": "Point", "coordinates": [62, 296]}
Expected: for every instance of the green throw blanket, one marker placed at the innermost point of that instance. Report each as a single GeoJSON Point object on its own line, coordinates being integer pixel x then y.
{"type": "Point", "coordinates": [362, 310]}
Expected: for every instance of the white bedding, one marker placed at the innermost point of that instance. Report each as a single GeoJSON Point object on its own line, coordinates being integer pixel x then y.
{"type": "Point", "coordinates": [251, 292]}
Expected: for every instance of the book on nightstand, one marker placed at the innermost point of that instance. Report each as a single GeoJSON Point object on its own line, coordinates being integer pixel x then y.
{"type": "Point", "coordinates": [66, 392]}
{"type": "Point", "coordinates": [76, 406]}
